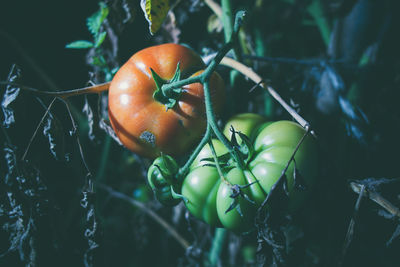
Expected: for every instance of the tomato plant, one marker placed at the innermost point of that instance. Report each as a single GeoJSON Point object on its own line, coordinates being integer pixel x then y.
{"type": "Point", "coordinates": [232, 200]}
{"type": "Point", "coordinates": [147, 122]}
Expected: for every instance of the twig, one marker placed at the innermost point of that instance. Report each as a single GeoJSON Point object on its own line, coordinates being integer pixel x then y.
{"type": "Point", "coordinates": [98, 88]}
{"type": "Point", "coordinates": [257, 79]}
{"type": "Point", "coordinates": [376, 197]}
{"type": "Point", "coordinates": [183, 242]}
{"type": "Point", "coordinates": [350, 229]}
{"type": "Point", "coordinates": [89, 184]}
{"type": "Point", "coordinates": [37, 128]}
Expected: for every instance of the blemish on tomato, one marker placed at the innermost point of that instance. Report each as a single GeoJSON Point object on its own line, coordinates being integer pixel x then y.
{"type": "Point", "coordinates": [148, 137]}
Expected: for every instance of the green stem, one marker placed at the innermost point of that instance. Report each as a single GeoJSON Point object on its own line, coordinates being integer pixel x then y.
{"type": "Point", "coordinates": [182, 171]}
{"type": "Point", "coordinates": [227, 18]}
{"type": "Point", "coordinates": [213, 123]}
{"type": "Point", "coordinates": [229, 29]}
{"type": "Point", "coordinates": [217, 246]}
{"type": "Point", "coordinates": [204, 79]}
{"type": "Point", "coordinates": [171, 86]}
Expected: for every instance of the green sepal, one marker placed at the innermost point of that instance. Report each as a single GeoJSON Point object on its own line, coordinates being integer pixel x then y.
{"type": "Point", "coordinates": [171, 97]}
{"type": "Point", "coordinates": [168, 168]}
{"type": "Point", "coordinates": [178, 196]}
{"type": "Point", "coordinates": [245, 148]}
{"type": "Point", "coordinates": [222, 159]}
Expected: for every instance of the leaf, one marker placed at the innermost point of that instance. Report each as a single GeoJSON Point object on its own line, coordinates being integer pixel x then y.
{"type": "Point", "coordinates": [81, 44]}
{"type": "Point", "coordinates": [94, 22]}
{"type": "Point", "coordinates": [92, 114]}
{"type": "Point", "coordinates": [155, 12]}
{"type": "Point", "coordinates": [10, 95]}
{"type": "Point", "coordinates": [100, 39]}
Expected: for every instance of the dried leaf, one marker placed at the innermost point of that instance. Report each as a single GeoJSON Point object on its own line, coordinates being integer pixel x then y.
{"type": "Point", "coordinates": [109, 130]}
{"type": "Point", "coordinates": [93, 118]}
{"type": "Point", "coordinates": [9, 96]}
{"type": "Point", "coordinates": [155, 12]}
{"type": "Point", "coordinates": [54, 132]}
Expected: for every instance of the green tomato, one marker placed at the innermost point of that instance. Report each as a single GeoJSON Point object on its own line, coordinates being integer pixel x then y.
{"type": "Point", "coordinates": [200, 190]}
{"type": "Point", "coordinates": [274, 146]}
{"type": "Point", "coordinates": [161, 178]}
{"type": "Point", "coordinates": [210, 196]}
{"type": "Point", "coordinates": [205, 152]}
{"type": "Point", "coordinates": [244, 123]}
{"type": "Point", "coordinates": [235, 220]}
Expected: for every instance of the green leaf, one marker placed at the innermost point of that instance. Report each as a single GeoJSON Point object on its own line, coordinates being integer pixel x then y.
{"type": "Point", "coordinates": [94, 22]}
{"type": "Point", "coordinates": [99, 61]}
{"type": "Point", "coordinates": [81, 44]}
{"type": "Point", "coordinates": [100, 39]}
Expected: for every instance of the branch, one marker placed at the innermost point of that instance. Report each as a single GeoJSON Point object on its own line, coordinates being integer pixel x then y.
{"type": "Point", "coordinates": [98, 88]}
{"type": "Point", "coordinates": [376, 197]}
{"type": "Point", "coordinates": [258, 80]}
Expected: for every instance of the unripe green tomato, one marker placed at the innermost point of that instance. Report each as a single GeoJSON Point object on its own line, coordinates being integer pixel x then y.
{"type": "Point", "coordinates": [205, 152]}
{"type": "Point", "coordinates": [162, 171]}
{"type": "Point", "coordinates": [233, 220]}
{"type": "Point", "coordinates": [244, 123]}
{"type": "Point", "coordinates": [200, 189]}
{"type": "Point", "coordinates": [274, 144]}
{"type": "Point", "coordinates": [161, 176]}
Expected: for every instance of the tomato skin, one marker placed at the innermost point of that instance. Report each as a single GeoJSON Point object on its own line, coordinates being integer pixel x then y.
{"type": "Point", "coordinates": [233, 220]}
{"type": "Point", "coordinates": [200, 190]}
{"type": "Point", "coordinates": [244, 123]}
{"type": "Point", "coordinates": [141, 123]}
{"type": "Point", "coordinates": [274, 144]}
{"type": "Point", "coordinates": [205, 153]}
{"type": "Point", "coordinates": [161, 177]}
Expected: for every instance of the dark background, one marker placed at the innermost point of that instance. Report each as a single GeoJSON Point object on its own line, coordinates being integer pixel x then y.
{"type": "Point", "coordinates": [33, 35]}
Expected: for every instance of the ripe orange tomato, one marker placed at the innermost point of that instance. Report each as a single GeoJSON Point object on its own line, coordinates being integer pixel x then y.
{"type": "Point", "coordinates": [143, 124]}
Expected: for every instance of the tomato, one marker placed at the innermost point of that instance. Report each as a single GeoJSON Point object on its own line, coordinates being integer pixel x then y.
{"type": "Point", "coordinates": [162, 179]}
{"type": "Point", "coordinates": [235, 220]}
{"type": "Point", "coordinates": [143, 124]}
{"type": "Point", "coordinates": [205, 153]}
{"type": "Point", "coordinates": [232, 200]}
{"type": "Point", "coordinates": [200, 190]}
{"type": "Point", "coordinates": [244, 123]}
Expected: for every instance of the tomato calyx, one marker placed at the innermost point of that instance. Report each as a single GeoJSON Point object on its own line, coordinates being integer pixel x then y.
{"type": "Point", "coordinates": [244, 146]}
{"type": "Point", "coordinates": [168, 97]}
{"type": "Point", "coordinates": [236, 192]}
